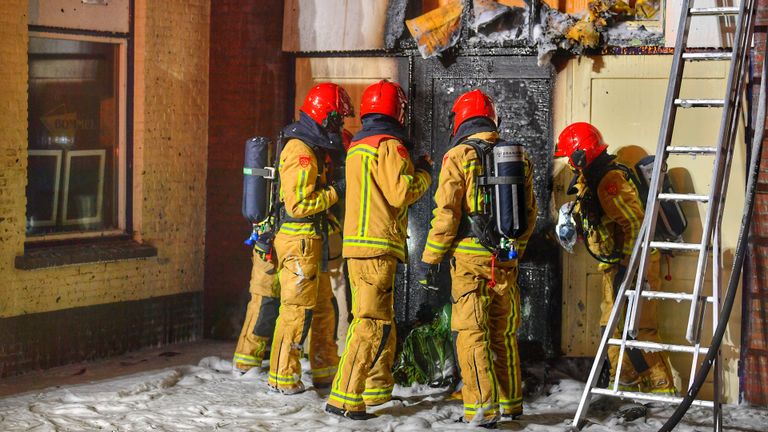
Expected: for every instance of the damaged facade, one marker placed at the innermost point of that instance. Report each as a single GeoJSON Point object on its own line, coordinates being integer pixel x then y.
{"type": "Point", "coordinates": [223, 71]}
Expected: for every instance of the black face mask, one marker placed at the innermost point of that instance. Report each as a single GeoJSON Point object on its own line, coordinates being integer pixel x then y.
{"type": "Point", "coordinates": [333, 123]}
{"type": "Point", "coordinates": [579, 159]}
{"type": "Point", "coordinates": [313, 134]}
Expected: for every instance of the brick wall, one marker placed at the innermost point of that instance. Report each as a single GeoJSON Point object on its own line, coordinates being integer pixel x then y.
{"type": "Point", "coordinates": [755, 334]}
{"type": "Point", "coordinates": [249, 95]}
{"type": "Point", "coordinates": [170, 151]}
{"type": "Point", "coordinates": [13, 142]}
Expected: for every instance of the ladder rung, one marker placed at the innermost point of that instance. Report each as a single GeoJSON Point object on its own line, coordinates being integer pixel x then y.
{"type": "Point", "coordinates": [683, 197]}
{"type": "Point", "coordinates": [663, 295]}
{"type": "Point", "coordinates": [691, 150]}
{"type": "Point", "coordinates": [699, 103]}
{"type": "Point", "coordinates": [676, 246]}
{"type": "Point", "coordinates": [705, 11]}
{"type": "Point", "coordinates": [703, 56]}
{"type": "Point", "coordinates": [656, 346]}
{"type": "Point", "coordinates": [650, 397]}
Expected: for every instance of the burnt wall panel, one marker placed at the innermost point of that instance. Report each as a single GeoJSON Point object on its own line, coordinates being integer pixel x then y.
{"type": "Point", "coordinates": [45, 340]}
{"type": "Point", "coordinates": [523, 95]}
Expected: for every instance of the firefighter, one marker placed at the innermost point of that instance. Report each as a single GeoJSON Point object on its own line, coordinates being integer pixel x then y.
{"type": "Point", "coordinates": [484, 292]}
{"type": "Point", "coordinates": [260, 314]}
{"type": "Point", "coordinates": [608, 214]}
{"type": "Point", "coordinates": [382, 183]}
{"type": "Point", "coordinates": [301, 243]}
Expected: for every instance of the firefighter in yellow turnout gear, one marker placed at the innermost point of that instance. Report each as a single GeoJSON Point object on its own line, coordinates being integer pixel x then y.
{"type": "Point", "coordinates": [609, 215]}
{"type": "Point", "coordinates": [301, 244]}
{"type": "Point", "coordinates": [260, 314]}
{"type": "Point", "coordinates": [484, 292]}
{"type": "Point", "coordinates": [382, 183]}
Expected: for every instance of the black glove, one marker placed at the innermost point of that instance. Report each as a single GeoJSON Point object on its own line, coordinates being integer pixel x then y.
{"type": "Point", "coordinates": [341, 187]}
{"type": "Point", "coordinates": [426, 275]}
{"type": "Point", "coordinates": [424, 163]}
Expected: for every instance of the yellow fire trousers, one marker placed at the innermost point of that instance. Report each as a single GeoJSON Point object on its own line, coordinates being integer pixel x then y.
{"type": "Point", "coordinates": [640, 370]}
{"type": "Point", "coordinates": [260, 314]}
{"type": "Point", "coordinates": [365, 371]}
{"type": "Point", "coordinates": [306, 303]}
{"type": "Point", "coordinates": [485, 318]}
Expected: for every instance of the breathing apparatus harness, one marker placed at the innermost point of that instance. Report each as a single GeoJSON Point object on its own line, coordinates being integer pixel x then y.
{"type": "Point", "coordinates": [500, 218]}
{"type": "Point", "coordinates": [591, 214]}
{"type": "Point", "coordinates": [264, 208]}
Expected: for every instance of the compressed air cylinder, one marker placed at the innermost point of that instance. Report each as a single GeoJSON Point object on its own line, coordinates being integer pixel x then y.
{"type": "Point", "coordinates": [256, 186]}
{"type": "Point", "coordinates": [509, 190]}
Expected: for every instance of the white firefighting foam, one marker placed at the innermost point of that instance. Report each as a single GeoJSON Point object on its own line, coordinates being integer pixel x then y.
{"type": "Point", "coordinates": [209, 397]}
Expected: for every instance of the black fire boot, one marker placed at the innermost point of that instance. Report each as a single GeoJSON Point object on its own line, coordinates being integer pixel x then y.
{"type": "Point", "coordinates": [352, 415]}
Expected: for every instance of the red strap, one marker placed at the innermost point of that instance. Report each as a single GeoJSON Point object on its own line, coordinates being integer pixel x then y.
{"type": "Point", "coordinates": [373, 141]}
{"type": "Point", "coordinates": [492, 282]}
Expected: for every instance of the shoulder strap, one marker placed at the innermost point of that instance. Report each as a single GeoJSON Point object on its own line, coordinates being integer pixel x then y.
{"type": "Point", "coordinates": [481, 147]}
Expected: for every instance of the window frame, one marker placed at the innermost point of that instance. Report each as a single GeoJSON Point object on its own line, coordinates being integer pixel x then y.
{"type": "Point", "coordinates": [122, 95]}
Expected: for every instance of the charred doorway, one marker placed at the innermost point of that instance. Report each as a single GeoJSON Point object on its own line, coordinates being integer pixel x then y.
{"type": "Point", "coordinates": [523, 94]}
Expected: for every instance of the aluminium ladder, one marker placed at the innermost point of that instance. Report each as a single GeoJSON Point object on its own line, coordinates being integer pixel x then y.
{"type": "Point", "coordinates": [714, 202]}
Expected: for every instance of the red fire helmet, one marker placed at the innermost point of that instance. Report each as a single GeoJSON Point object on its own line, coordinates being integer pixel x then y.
{"type": "Point", "coordinates": [327, 103]}
{"type": "Point", "coordinates": [581, 143]}
{"type": "Point", "coordinates": [472, 104]}
{"type": "Point", "coordinates": [384, 97]}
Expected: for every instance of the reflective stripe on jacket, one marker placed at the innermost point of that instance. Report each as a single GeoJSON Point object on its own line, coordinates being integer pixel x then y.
{"type": "Point", "coordinates": [381, 184]}
{"type": "Point", "coordinates": [455, 197]}
{"type": "Point", "coordinates": [303, 192]}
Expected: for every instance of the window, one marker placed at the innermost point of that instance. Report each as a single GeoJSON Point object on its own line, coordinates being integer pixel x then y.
{"type": "Point", "coordinates": [77, 144]}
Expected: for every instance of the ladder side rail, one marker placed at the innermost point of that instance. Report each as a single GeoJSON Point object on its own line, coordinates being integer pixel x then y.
{"type": "Point", "coordinates": [719, 211]}
{"type": "Point", "coordinates": [666, 132]}
{"type": "Point", "coordinates": [623, 347]}
{"type": "Point", "coordinates": [610, 326]}
{"type": "Point", "coordinates": [729, 145]}
{"type": "Point", "coordinates": [717, 260]}
{"type": "Point", "coordinates": [732, 94]}
{"type": "Point", "coordinates": [729, 148]}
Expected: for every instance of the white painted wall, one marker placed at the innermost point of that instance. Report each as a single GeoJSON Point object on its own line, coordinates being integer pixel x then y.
{"type": "Point", "coordinates": [334, 25]}
{"type": "Point", "coordinates": [705, 32]}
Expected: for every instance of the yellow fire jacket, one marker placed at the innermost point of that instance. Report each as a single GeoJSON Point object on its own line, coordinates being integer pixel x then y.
{"type": "Point", "coordinates": [455, 197]}
{"type": "Point", "coordinates": [381, 184]}
{"type": "Point", "coordinates": [303, 190]}
{"type": "Point", "coordinates": [614, 230]}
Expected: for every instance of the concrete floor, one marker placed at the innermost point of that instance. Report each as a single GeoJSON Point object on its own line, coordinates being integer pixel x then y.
{"type": "Point", "coordinates": [137, 361]}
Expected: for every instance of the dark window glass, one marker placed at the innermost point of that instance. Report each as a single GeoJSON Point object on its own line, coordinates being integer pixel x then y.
{"type": "Point", "coordinates": [73, 170]}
